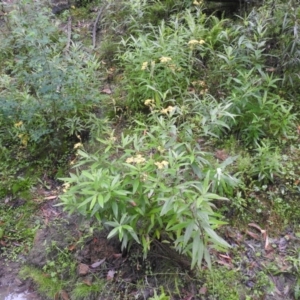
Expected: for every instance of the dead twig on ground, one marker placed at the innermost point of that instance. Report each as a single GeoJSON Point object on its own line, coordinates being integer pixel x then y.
{"type": "Point", "coordinates": [96, 24]}
{"type": "Point", "coordinates": [69, 34]}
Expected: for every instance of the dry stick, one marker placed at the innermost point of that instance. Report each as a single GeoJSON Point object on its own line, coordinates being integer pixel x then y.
{"type": "Point", "coordinates": [96, 24]}
{"type": "Point", "coordinates": [69, 34]}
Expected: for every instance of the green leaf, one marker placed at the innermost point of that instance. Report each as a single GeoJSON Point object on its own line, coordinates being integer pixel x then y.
{"type": "Point", "coordinates": [115, 209]}
{"type": "Point", "coordinates": [135, 185]}
{"type": "Point", "coordinates": [168, 205]}
{"type": "Point", "coordinates": [188, 232]}
{"type": "Point", "coordinates": [86, 201]}
{"type": "Point", "coordinates": [121, 192]}
{"type": "Point", "coordinates": [100, 201]}
{"type": "Point", "coordinates": [88, 175]}
{"type": "Point", "coordinates": [93, 202]}
{"type": "Point", "coordinates": [207, 258]}
{"type": "Point", "coordinates": [115, 181]}
{"type": "Point", "coordinates": [196, 248]}
{"type": "Point", "coordinates": [217, 239]}
{"type": "Point", "coordinates": [83, 154]}
{"type": "Point", "coordinates": [113, 233]}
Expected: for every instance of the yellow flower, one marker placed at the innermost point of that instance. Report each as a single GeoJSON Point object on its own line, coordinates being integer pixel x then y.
{"type": "Point", "coordinates": [197, 2]}
{"type": "Point", "coordinates": [112, 139]}
{"type": "Point", "coordinates": [161, 165]}
{"type": "Point", "coordinates": [130, 160]}
{"type": "Point", "coordinates": [66, 186]}
{"type": "Point", "coordinates": [149, 102]}
{"type": "Point", "coordinates": [138, 159]}
{"type": "Point", "coordinates": [165, 59]}
{"type": "Point", "coordinates": [144, 65]}
{"type": "Point", "coordinates": [202, 92]}
{"type": "Point", "coordinates": [199, 83]}
{"type": "Point", "coordinates": [19, 124]}
{"type": "Point", "coordinates": [161, 149]}
{"type": "Point", "coordinates": [24, 139]}
{"type": "Point", "coordinates": [193, 42]}
{"type": "Point", "coordinates": [78, 145]}
{"type": "Point", "coordinates": [167, 110]}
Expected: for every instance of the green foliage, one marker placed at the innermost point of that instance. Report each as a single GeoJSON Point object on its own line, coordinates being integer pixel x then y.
{"type": "Point", "coordinates": [266, 162]}
{"type": "Point", "coordinates": [17, 226]}
{"type": "Point", "coordinates": [161, 296]}
{"type": "Point", "coordinates": [151, 184]}
{"type": "Point", "coordinates": [62, 267]}
{"type": "Point", "coordinates": [194, 54]}
{"type": "Point", "coordinates": [158, 67]}
{"type": "Point", "coordinates": [47, 93]}
{"type": "Point", "coordinates": [42, 88]}
{"type": "Point", "coordinates": [83, 291]}
{"type": "Point", "coordinates": [45, 284]}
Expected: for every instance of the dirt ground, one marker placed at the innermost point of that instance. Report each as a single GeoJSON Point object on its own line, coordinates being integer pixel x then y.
{"type": "Point", "coordinates": [96, 257]}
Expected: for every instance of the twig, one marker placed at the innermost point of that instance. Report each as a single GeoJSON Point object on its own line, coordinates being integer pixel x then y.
{"type": "Point", "coordinates": [96, 24]}
{"type": "Point", "coordinates": [69, 34]}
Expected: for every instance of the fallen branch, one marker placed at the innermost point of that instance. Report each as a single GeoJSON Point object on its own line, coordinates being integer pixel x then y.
{"type": "Point", "coordinates": [96, 24]}
{"type": "Point", "coordinates": [69, 34]}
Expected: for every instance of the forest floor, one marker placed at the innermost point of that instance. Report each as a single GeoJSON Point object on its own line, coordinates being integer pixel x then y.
{"type": "Point", "coordinates": [261, 264]}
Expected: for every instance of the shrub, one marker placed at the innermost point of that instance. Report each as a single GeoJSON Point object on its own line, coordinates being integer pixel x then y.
{"type": "Point", "coordinates": [155, 183]}
{"type": "Point", "coordinates": [47, 92]}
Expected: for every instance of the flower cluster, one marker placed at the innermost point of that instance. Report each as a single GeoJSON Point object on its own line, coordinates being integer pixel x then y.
{"type": "Point", "coordinates": [197, 2]}
{"type": "Point", "coordinates": [193, 43]}
{"type": "Point", "coordinates": [167, 110]}
{"type": "Point", "coordinates": [78, 145]}
{"type": "Point", "coordinates": [138, 159]}
{"type": "Point", "coordinates": [66, 186]}
{"type": "Point", "coordinates": [144, 65]}
{"type": "Point", "coordinates": [162, 164]}
{"type": "Point", "coordinates": [161, 149]}
{"type": "Point", "coordinates": [201, 85]}
{"type": "Point", "coordinates": [165, 59]}
{"type": "Point", "coordinates": [149, 102]}
{"type": "Point", "coordinates": [19, 124]}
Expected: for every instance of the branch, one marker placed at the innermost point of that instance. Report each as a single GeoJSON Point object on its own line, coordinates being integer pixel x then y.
{"type": "Point", "coordinates": [69, 34]}
{"type": "Point", "coordinates": [96, 24]}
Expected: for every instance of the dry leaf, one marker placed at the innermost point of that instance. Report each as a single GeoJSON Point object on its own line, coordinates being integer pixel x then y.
{"type": "Point", "coordinates": [255, 226]}
{"type": "Point", "coordinates": [107, 91]}
{"type": "Point", "coordinates": [225, 256]}
{"type": "Point", "coordinates": [87, 282]}
{"type": "Point", "coordinates": [72, 247]}
{"type": "Point", "coordinates": [110, 274]}
{"type": "Point", "coordinates": [221, 155]}
{"type": "Point", "coordinates": [224, 263]}
{"type": "Point", "coordinates": [117, 255]}
{"type": "Point", "coordinates": [64, 295]}
{"type": "Point", "coordinates": [203, 290]}
{"type": "Point", "coordinates": [83, 269]}
{"type": "Point", "coordinates": [253, 235]}
{"type": "Point", "coordinates": [98, 263]}
{"type": "Point", "coordinates": [50, 197]}
{"type": "Point", "coordinates": [188, 297]}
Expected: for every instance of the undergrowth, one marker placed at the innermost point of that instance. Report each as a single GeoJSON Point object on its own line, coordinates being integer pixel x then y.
{"type": "Point", "coordinates": [210, 110]}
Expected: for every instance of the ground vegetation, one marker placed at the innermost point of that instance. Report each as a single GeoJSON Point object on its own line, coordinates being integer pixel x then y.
{"type": "Point", "coordinates": [149, 149]}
